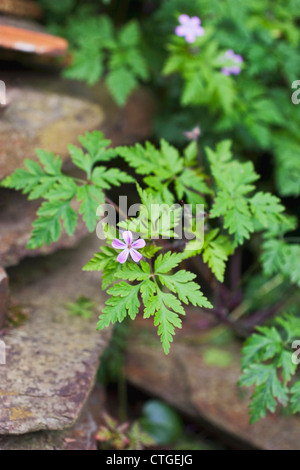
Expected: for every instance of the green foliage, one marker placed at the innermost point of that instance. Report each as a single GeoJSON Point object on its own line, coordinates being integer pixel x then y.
{"type": "Point", "coordinates": [99, 50]}
{"type": "Point", "coordinates": [255, 107]}
{"type": "Point", "coordinates": [267, 364]}
{"type": "Point", "coordinates": [60, 191]}
{"type": "Point", "coordinates": [242, 214]}
{"type": "Point", "coordinates": [161, 422]}
{"type": "Point", "coordinates": [253, 110]}
{"type": "Point", "coordinates": [165, 171]}
{"type": "Point", "coordinates": [82, 307]}
{"type": "Point", "coordinates": [165, 307]}
{"type": "Point", "coordinates": [216, 251]}
{"type": "Point", "coordinates": [127, 436]}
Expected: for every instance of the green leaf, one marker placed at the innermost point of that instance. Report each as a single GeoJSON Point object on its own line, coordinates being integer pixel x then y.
{"type": "Point", "coordinates": [288, 367]}
{"type": "Point", "coordinates": [33, 180]}
{"type": "Point", "coordinates": [295, 399]}
{"type": "Point", "coordinates": [80, 159]}
{"type": "Point", "coordinates": [266, 208]}
{"type": "Point", "coordinates": [165, 308]}
{"type": "Point", "coordinates": [290, 325]}
{"type": "Point", "coordinates": [90, 198]}
{"type": "Point", "coordinates": [123, 301]}
{"type": "Point", "coordinates": [106, 178]}
{"type": "Point", "coordinates": [121, 82]}
{"type": "Point", "coordinates": [101, 260]}
{"type": "Point", "coordinates": [82, 307]}
{"type": "Point", "coordinates": [144, 159]}
{"type": "Point", "coordinates": [216, 252]}
{"type": "Point", "coordinates": [268, 388]}
{"type": "Point", "coordinates": [161, 422]}
{"type": "Point", "coordinates": [87, 65]}
{"type": "Point", "coordinates": [236, 214]}
{"type": "Point", "coordinates": [130, 34]}
{"type": "Point", "coordinates": [164, 263]}
{"type": "Point", "coordinates": [261, 346]}
{"type": "Point", "coordinates": [47, 227]}
{"type": "Point", "coordinates": [134, 272]}
{"type": "Point", "coordinates": [96, 146]}
{"type": "Point", "coordinates": [187, 291]}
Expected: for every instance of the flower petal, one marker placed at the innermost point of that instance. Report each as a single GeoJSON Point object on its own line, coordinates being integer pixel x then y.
{"type": "Point", "coordinates": [140, 243]}
{"type": "Point", "coordinates": [230, 54]}
{"type": "Point", "coordinates": [184, 19]}
{"type": "Point", "coordinates": [225, 71]}
{"type": "Point", "coordinates": [127, 237]}
{"type": "Point", "coordinates": [118, 244]}
{"type": "Point", "coordinates": [235, 69]}
{"type": "Point", "coordinates": [195, 21]}
{"type": "Point", "coordinates": [122, 257]}
{"type": "Point", "coordinates": [239, 58]}
{"type": "Point", "coordinates": [190, 37]}
{"type": "Point", "coordinates": [180, 31]}
{"type": "Point", "coordinates": [199, 31]}
{"type": "Point", "coordinates": [135, 255]}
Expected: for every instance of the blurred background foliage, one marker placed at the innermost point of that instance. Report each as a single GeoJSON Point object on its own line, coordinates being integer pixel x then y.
{"type": "Point", "coordinates": [131, 41]}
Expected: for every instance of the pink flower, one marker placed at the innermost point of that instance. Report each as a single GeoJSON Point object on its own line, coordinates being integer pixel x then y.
{"type": "Point", "coordinates": [189, 28]}
{"type": "Point", "coordinates": [236, 59]}
{"type": "Point", "coordinates": [128, 247]}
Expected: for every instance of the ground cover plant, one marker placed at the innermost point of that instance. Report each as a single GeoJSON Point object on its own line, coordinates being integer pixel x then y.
{"type": "Point", "coordinates": [224, 162]}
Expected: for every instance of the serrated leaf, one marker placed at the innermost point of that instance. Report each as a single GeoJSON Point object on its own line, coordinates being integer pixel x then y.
{"type": "Point", "coordinates": [266, 207]}
{"type": "Point", "coordinates": [90, 198]}
{"type": "Point", "coordinates": [187, 291]}
{"type": "Point", "coordinates": [47, 227]}
{"type": "Point", "coordinates": [164, 263]}
{"type": "Point", "coordinates": [105, 178]}
{"type": "Point", "coordinates": [121, 82]}
{"type": "Point", "coordinates": [215, 253]}
{"type": "Point", "coordinates": [165, 308]}
{"type": "Point", "coordinates": [144, 159]}
{"type": "Point", "coordinates": [123, 301]}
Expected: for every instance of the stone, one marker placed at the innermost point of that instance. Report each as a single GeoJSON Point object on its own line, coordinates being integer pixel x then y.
{"type": "Point", "coordinates": [50, 113]}
{"type": "Point", "coordinates": [203, 388]}
{"type": "Point", "coordinates": [4, 296]}
{"type": "Point", "coordinates": [37, 117]}
{"type": "Point", "coordinates": [17, 216]}
{"type": "Point", "coordinates": [52, 357]}
{"type": "Point", "coordinates": [79, 437]}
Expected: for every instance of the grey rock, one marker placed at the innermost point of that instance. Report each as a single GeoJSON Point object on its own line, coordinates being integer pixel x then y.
{"type": "Point", "coordinates": [204, 390]}
{"type": "Point", "coordinates": [79, 437]}
{"type": "Point", "coordinates": [52, 358]}
{"type": "Point", "coordinates": [17, 216]}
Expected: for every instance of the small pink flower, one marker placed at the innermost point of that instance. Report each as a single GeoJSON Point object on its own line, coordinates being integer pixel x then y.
{"type": "Point", "coordinates": [189, 28]}
{"type": "Point", "coordinates": [128, 247]}
{"type": "Point", "coordinates": [236, 59]}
